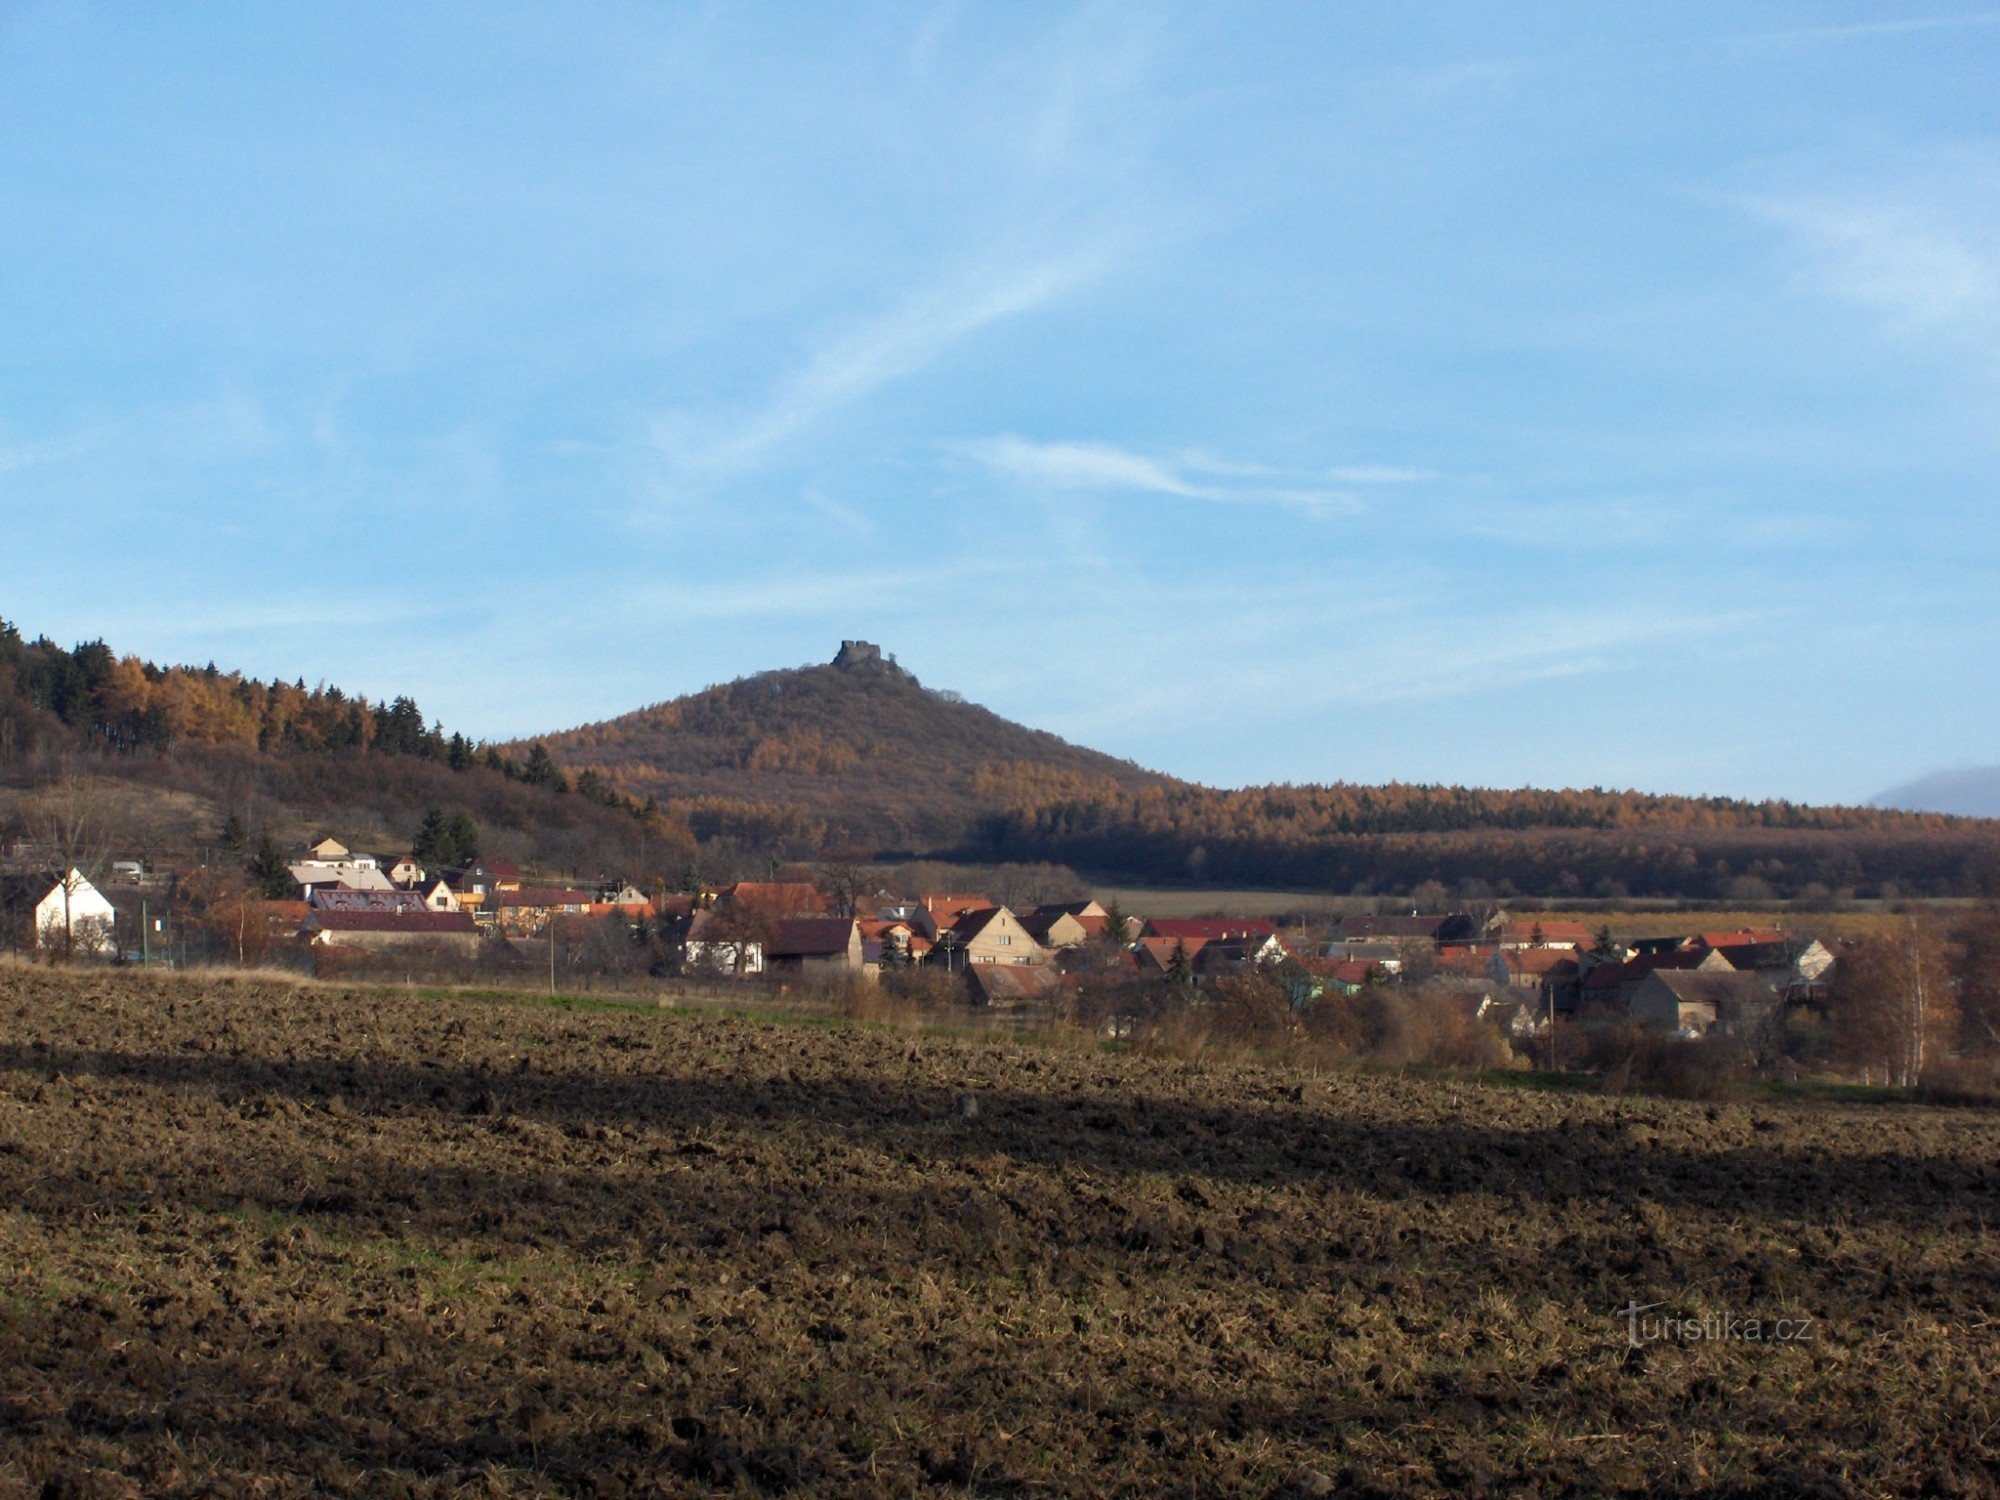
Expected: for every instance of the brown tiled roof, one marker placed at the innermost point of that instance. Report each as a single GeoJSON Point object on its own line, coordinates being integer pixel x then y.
{"type": "Point", "coordinates": [810, 937]}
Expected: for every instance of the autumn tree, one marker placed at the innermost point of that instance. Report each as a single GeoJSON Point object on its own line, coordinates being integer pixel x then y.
{"type": "Point", "coordinates": [1893, 1005]}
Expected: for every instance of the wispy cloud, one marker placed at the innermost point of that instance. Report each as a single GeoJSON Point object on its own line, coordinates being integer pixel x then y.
{"type": "Point", "coordinates": [1869, 30]}
{"type": "Point", "coordinates": [880, 351]}
{"type": "Point", "coordinates": [1109, 469]}
{"type": "Point", "coordinates": [1921, 269]}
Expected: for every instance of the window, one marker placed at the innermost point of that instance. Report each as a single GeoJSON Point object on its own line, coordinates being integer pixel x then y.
{"type": "Point", "coordinates": [1004, 942]}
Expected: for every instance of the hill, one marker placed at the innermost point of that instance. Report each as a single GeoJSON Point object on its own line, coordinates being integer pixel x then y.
{"type": "Point", "coordinates": [853, 754]}
{"type": "Point", "coordinates": [1969, 792]}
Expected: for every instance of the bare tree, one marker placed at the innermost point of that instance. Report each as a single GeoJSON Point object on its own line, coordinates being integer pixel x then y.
{"type": "Point", "coordinates": [70, 821]}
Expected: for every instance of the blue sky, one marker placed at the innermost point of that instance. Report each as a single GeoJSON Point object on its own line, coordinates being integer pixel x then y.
{"type": "Point", "coordinates": [1556, 395]}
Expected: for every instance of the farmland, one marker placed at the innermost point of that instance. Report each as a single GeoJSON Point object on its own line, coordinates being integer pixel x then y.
{"type": "Point", "coordinates": [360, 1239]}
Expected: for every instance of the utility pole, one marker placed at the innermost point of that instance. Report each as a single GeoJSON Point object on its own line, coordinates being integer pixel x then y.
{"type": "Point", "coordinates": [552, 953]}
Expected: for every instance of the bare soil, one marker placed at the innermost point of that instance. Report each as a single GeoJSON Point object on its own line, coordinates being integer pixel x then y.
{"type": "Point", "coordinates": [289, 1239]}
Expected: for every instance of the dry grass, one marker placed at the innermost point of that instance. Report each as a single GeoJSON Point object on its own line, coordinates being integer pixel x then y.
{"type": "Point", "coordinates": [259, 1235]}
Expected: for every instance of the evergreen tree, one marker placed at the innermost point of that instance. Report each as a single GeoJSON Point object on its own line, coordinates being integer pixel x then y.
{"type": "Point", "coordinates": [269, 871]}
{"type": "Point", "coordinates": [542, 770]}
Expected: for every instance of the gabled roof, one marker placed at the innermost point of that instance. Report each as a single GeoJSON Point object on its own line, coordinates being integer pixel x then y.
{"type": "Point", "coordinates": [810, 937]}
{"type": "Point", "coordinates": [1158, 952]}
{"type": "Point", "coordinates": [970, 925]}
{"type": "Point", "coordinates": [945, 909]}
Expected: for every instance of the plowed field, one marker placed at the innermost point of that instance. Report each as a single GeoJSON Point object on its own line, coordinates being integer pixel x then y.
{"type": "Point", "coordinates": [255, 1237]}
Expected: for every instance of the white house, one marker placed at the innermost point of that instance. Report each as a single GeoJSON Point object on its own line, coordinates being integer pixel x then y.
{"type": "Point", "coordinates": [75, 917]}
{"type": "Point", "coordinates": [441, 897]}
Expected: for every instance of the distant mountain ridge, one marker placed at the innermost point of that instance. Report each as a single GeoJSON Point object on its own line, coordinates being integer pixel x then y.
{"type": "Point", "coordinates": [1966, 792]}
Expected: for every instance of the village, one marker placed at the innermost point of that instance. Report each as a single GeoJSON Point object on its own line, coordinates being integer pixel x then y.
{"type": "Point", "coordinates": [349, 912]}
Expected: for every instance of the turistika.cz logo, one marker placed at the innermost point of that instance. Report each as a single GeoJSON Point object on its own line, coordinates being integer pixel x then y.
{"type": "Point", "coordinates": [1644, 1324]}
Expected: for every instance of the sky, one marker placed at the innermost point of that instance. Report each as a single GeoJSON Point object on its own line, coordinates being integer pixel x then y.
{"type": "Point", "coordinates": [1557, 395]}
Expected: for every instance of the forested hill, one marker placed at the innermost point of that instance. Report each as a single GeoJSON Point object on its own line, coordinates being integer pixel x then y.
{"type": "Point", "coordinates": [860, 756]}
{"type": "Point", "coordinates": [855, 754]}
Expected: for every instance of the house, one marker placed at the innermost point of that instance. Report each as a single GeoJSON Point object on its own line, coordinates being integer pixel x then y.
{"type": "Point", "coordinates": [378, 931]}
{"type": "Point", "coordinates": [1553, 971]}
{"type": "Point", "coordinates": [941, 911]}
{"type": "Point", "coordinates": [327, 849]}
{"type": "Point", "coordinates": [1001, 986]}
{"type": "Point", "coordinates": [1068, 924]}
{"type": "Point", "coordinates": [710, 943]}
{"type": "Point", "coordinates": [1696, 1002]}
{"type": "Point", "coordinates": [815, 945]}
{"type": "Point", "coordinates": [475, 886]}
{"type": "Point", "coordinates": [527, 911]}
{"type": "Point", "coordinates": [406, 871]}
{"type": "Point", "coordinates": [1160, 955]}
{"type": "Point", "coordinates": [439, 896]}
{"type": "Point", "coordinates": [624, 896]}
{"type": "Point", "coordinates": [899, 940]}
{"type": "Point", "coordinates": [991, 935]}
{"type": "Point", "coordinates": [75, 917]}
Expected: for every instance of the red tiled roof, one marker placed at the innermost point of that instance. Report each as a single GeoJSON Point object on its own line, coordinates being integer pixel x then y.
{"type": "Point", "coordinates": [1748, 937]}
{"type": "Point", "coordinates": [944, 910]}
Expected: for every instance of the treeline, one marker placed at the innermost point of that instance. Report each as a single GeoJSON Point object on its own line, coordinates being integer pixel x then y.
{"type": "Point", "coordinates": [123, 703]}
{"type": "Point", "coordinates": [1594, 843]}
